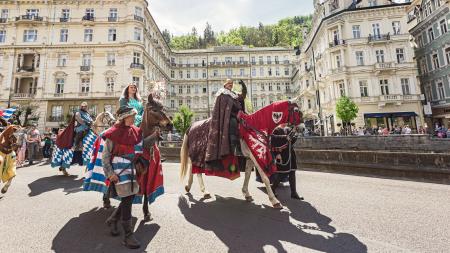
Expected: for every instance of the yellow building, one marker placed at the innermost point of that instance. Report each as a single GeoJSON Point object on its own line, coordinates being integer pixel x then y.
{"type": "Point", "coordinates": [359, 49]}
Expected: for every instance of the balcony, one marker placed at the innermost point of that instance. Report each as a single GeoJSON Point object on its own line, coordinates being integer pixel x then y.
{"type": "Point", "coordinates": [62, 20]}
{"type": "Point", "coordinates": [137, 66]}
{"type": "Point", "coordinates": [380, 66]}
{"type": "Point", "coordinates": [336, 43]}
{"type": "Point", "coordinates": [85, 68]}
{"type": "Point", "coordinates": [29, 18]}
{"type": "Point", "coordinates": [379, 37]}
{"type": "Point", "coordinates": [112, 19]}
{"type": "Point", "coordinates": [26, 69]}
{"type": "Point", "coordinates": [3, 20]}
{"type": "Point", "coordinates": [88, 18]}
{"type": "Point", "coordinates": [23, 95]}
{"type": "Point", "coordinates": [58, 118]}
{"type": "Point", "coordinates": [339, 70]}
{"type": "Point", "coordinates": [138, 18]}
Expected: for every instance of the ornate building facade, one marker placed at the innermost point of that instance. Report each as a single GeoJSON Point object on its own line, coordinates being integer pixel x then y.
{"type": "Point", "coordinates": [429, 22]}
{"type": "Point", "coordinates": [55, 54]}
{"type": "Point", "coordinates": [359, 49]}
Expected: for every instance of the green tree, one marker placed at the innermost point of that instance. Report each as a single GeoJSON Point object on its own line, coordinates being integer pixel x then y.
{"type": "Point", "coordinates": [25, 115]}
{"type": "Point", "coordinates": [347, 111]}
{"type": "Point", "coordinates": [166, 35]}
{"type": "Point", "coordinates": [184, 42]}
{"type": "Point", "coordinates": [183, 120]}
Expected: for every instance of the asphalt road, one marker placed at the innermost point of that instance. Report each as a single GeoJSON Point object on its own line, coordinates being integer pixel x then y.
{"type": "Point", "coordinates": [45, 211]}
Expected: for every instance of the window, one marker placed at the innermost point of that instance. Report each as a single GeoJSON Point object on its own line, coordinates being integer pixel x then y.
{"type": "Point", "coordinates": [228, 72]}
{"type": "Point", "coordinates": [64, 35]}
{"type": "Point", "coordinates": [188, 89]}
{"type": "Point", "coordinates": [342, 89]}
{"type": "Point", "coordinates": [65, 14]}
{"type": "Point", "coordinates": [372, 3]}
{"type": "Point", "coordinates": [112, 34]}
{"type": "Point", "coordinates": [138, 11]}
{"type": "Point", "coordinates": [228, 60]}
{"type": "Point", "coordinates": [447, 55]}
{"type": "Point", "coordinates": [261, 71]}
{"type": "Point", "coordinates": [270, 72]}
{"type": "Point", "coordinates": [113, 13]}
{"type": "Point", "coordinates": [338, 61]}
{"type": "Point", "coordinates": [430, 35]}
{"type": "Point", "coordinates": [405, 86]}
{"type": "Point", "coordinates": [2, 36]}
{"type": "Point", "coordinates": [4, 14]}
{"type": "Point", "coordinates": [376, 31]}
{"type": "Point", "coordinates": [172, 103]}
{"type": "Point", "coordinates": [33, 12]}
{"type": "Point", "coordinates": [356, 31]}
{"type": "Point", "coordinates": [359, 58]}
{"type": "Point", "coordinates": [262, 87]}
{"type": "Point", "coordinates": [253, 71]}
{"type": "Point", "coordinates": [276, 59]}
{"type": "Point", "coordinates": [204, 74]}
{"type": "Point", "coordinates": [270, 86]}
{"type": "Point", "coordinates": [85, 85]}
{"type": "Point", "coordinates": [86, 60]}
{"type": "Point", "coordinates": [309, 103]}
{"type": "Point", "coordinates": [241, 59]}
{"type": "Point", "coordinates": [93, 110]}
{"type": "Point", "coordinates": [29, 35]}
{"type": "Point", "coordinates": [363, 88]}
{"type": "Point", "coordinates": [253, 60]}
{"type": "Point", "coordinates": [111, 59]}
{"type": "Point", "coordinates": [88, 35]}
{"type": "Point", "coordinates": [188, 74]}
{"type": "Point", "coordinates": [396, 27]}
{"type": "Point", "coordinates": [172, 74]}
{"type": "Point", "coordinates": [59, 85]}
{"type": "Point", "coordinates": [136, 81]}
{"type": "Point", "coordinates": [435, 61]}
{"type": "Point", "coordinates": [269, 60]}
{"type": "Point", "coordinates": [423, 66]}
{"type": "Point", "coordinates": [241, 72]}
{"type": "Point", "coordinates": [441, 92]}
{"type": "Point", "coordinates": [180, 89]}
{"type": "Point", "coordinates": [443, 25]}
{"type": "Point", "coordinates": [277, 71]}
{"type": "Point", "coordinates": [136, 58]}
{"type": "Point", "coordinates": [62, 60]}
{"type": "Point", "coordinates": [180, 102]}
{"type": "Point", "coordinates": [89, 13]}
{"type": "Point", "coordinates": [196, 74]}
{"type": "Point", "coordinates": [57, 112]}
{"type": "Point", "coordinates": [255, 102]}
{"type": "Point", "coordinates": [400, 55]}
{"type": "Point", "coordinates": [261, 60]}
{"type": "Point", "coordinates": [384, 87]}
{"type": "Point", "coordinates": [110, 84]}
{"type": "Point", "coordinates": [137, 33]}
{"type": "Point", "coordinates": [380, 56]}
{"type": "Point", "coordinates": [286, 71]}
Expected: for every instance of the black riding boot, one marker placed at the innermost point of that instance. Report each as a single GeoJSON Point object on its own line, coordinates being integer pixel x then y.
{"type": "Point", "coordinates": [112, 222]}
{"type": "Point", "coordinates": [147, 215]}
{"type": "Point", "coordinates": [129, 240]}
{"type": "Point", "coordinates": [275, 183]}
{"type": "Point", "coordinates": [234, 137]}
{"type": "Point", "coordinates": [292, 184]}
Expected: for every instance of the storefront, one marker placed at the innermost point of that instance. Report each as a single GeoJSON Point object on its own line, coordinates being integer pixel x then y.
{"type": "Point", "coordinates": [391, 119]}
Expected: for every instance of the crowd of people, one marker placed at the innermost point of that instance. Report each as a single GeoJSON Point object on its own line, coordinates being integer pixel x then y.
{"type": "Point", "coordinates": [33, 145]}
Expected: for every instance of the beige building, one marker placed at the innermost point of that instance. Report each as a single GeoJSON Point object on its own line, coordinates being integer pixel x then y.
{"type": "Point", "coordinates": [55, 54]}
{"type": "Point", "coordinates": [196, 76]}
{"type": "Point", "coordinates": [359, 49]}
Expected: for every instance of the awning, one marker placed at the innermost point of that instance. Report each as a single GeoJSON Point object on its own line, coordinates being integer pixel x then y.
{"type": "Point", "coordinates": [390, 114]}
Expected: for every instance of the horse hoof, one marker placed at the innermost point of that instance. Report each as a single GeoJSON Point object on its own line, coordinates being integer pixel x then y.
{"type": "Point", "coordinates": [188, 189]}
{"type": "Point", "coordinates": [249, 199]}
{"type": "Point", "coordinates": [277, 206]}
{"type": "Point", "coordinates": [207, 196]}
{"type": "Point", "coordinates": [4, 190]}
{"type": "Point", "coordinates": [147, 218]}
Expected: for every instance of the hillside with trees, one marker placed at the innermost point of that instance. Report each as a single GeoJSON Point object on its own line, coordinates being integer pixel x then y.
{"type": "Point", "coordinates": [286, 32]}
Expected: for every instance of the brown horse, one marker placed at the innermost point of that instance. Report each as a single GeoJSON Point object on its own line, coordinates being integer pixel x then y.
{"type": "Point", "coordinates": [8, 146]}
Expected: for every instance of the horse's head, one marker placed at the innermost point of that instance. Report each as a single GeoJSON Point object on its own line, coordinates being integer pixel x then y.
{"type": "Point", "coordinates": [8, 138]}
{"type": "Point", "coordinates": [108, 118]}
{"type": "Point", "coordinates": [154, 116]}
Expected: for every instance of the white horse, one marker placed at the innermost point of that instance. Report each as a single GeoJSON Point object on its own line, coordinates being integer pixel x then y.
{"type": "Point", "coordinates": [103, 121]}
{"type": "Point", "coordinates": [274, 111]}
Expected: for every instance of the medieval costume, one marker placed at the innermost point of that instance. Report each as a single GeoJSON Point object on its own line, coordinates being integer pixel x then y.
{"type": "Point", "coordinates": [133, 102]}
{"type": "Point", "coordinates": [33, 142]}
{"type": "Point", "coordinates": [122, 160]}
{"type": "Point", "coordinates": [83, 123]}
{"type": "Point", "coordinates": [223, 136]}
{"type": "Point", "coordinates": [282, 149]}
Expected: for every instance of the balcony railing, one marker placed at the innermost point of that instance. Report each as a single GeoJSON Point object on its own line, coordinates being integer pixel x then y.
{"type": "Point", "coordinates": [29, 17]}
{"type": "Point", "coordinates": [137, 66]}
{"type": "Point", "coordinates": [337, 43]}
{"type": "Point", "coordinates": [390, 98]}
{"type": "Point", "coordinates": [88, 18]}
{"type": "Point", "coordinates": [3, 20]}
{"type": "Point", "coordinates": [26, 69]}
{"type": "Point", "coordinates": [138, 18]}
{"type": "Point", "coordinates": [23, 95]}
{"type": "Point", "coordinates": [58, 118]}
{"type": "Point", "coordinates": [379, 37]}
{"type": "Point", "coordinates": [85, 68]}
{"type": "Point", "coordinates": [384, 65]}
{"type": "Point", "coordinates": [112, 19]}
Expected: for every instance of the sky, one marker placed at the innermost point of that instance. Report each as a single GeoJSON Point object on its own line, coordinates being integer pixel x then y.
{"type": "Point", "coordinates": [179, 16]}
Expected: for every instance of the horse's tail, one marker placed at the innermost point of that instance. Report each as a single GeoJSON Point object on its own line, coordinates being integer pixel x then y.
{"type": "Point", "coordinates": [184, 157]}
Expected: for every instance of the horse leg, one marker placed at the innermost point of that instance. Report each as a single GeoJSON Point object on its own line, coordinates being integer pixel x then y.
{"type": "Point", "coordinates": [64, 171]}
{"type": "Point", "coordinates": [248, 172]}
{"type": "Point", "coordinates": [273, 200]}
{"type": "Point", "coordinates": [6, 186]}
{"type": "Point", "coordinates": [206, 194]}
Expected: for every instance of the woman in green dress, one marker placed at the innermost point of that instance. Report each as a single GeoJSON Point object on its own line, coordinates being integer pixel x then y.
{"type": "Point", "coordinates": [130, 97]}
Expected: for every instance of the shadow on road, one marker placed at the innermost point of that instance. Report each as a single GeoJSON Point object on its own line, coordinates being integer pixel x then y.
{"type": "Point", "coordinates": [89, 233]}
{"type": "Point", "coordinates": [246, 227]}
{"type": "Point", "coordinates": [46, 184]}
